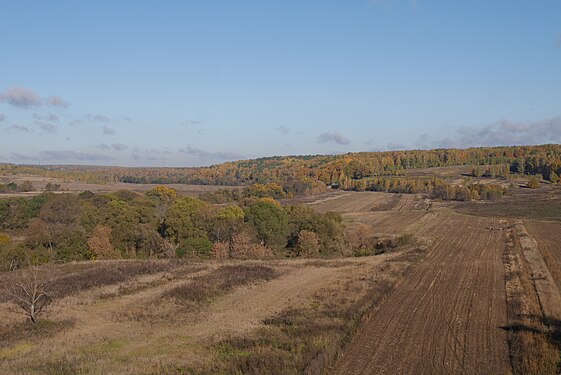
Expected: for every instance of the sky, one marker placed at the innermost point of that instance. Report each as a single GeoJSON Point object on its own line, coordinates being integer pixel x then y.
{"type": "Point", "coordinates": [191, 83]}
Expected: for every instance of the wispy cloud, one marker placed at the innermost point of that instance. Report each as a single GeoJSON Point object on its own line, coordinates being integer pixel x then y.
{"type": "Point", "coordinates": [2, 117]}
{"type": "Point", "coordinates": [25, 98]}
{"type": "Point", "coordinates": [505, 133]}
{"type": "Point", "coordinates": [57, 101]}
{"type": "Point", "coordinates": [558, 41]}
{"type": "Point", "coordinates": [22, 158]}
{"type": "Point", "coordinates": [333, 138]}
{"type": "Point", "coordinates": [282, 129]}
{"type": "Point", "coordinates": [51, 117]}
{"type": "Point", "coordinates": [114, 146]}
{"type": "Point", "coordinates": [103, 146]}
{"type": "Point", "coordinates": [96, 118]}
{"type": "Point", "coordinates": [119, 146]}
{"type": "Point", "coordinates": [210, 157]}
{"type": "Point", "coordinates": [107, 130]}
{"type": "Point", "coordinates": [395, 146]}
{"type": "Point", "coordinates": [19, 128]}
{"type": "Point", "coordinates": [76, 122]}
{"type": "Point", "coordinates": [71, 156]}
{"type": "Point", "coordinates": [191, 123]}
{"type": "Point", "coordinates": [46, 127]}
{"type": "Point", "coordinates": [423, 141]}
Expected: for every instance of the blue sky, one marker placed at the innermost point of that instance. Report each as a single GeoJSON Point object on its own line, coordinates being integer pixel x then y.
{"type": "Point", "coordinates": [188, 83]}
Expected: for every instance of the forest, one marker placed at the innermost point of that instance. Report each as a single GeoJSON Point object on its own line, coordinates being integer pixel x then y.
{"type": "Point", "coordinates": [160, 224]}
{"type": "Point", "coordinates": [307, 175]}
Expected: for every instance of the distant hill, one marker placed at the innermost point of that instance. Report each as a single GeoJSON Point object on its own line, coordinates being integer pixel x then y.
{"type": "Point", "coordinates": [299, 173]}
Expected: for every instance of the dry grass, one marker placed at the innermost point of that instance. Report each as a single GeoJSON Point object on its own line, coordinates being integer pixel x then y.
{"type": "Point", "coordinates": [26, 331]}
{"type": "Point", "coordinates": [533, 350]}
{"type": "Point", "coordinates": [247, 317]}
{"type": "Point", "coordinates": [206, 287]}
{"type": "Point", "coordinates": [305, 340]}
{"type": "Point", "coordinates": [71, 278]}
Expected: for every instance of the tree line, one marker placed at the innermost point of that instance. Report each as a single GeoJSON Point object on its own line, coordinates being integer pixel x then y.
{"type": "Point", "coordinates": [434, 187]}
{"type": "Point", "coordinates": [303, 175]}
{"type": "Point", "coordinates": [160, 224]}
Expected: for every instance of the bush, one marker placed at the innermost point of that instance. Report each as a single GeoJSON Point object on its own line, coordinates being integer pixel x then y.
{"type": "Point", "coordinates": [405, 239]}
{"type": "Point", "coordinates": [243, 248]}
{"type": "Point", "coordinates": [308, 244]}
{"type": "Point", "coordinates": [195, 246]}
{"type": "Point", "coordinates": [220, 250]}
{"type": "Point", "coordinates": [533, 182]}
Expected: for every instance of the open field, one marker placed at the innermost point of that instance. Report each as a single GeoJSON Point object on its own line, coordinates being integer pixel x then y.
{"type": "Point", "coordinates": [538, 204]}
{"type": "Point", "coordinates": [39, 184]}
{"type": "Point", "coordinates": [475, 295]}
{"type": "Point", "coordinates": [145, 323]}
{"type": "Point", "coordinates": [459, 310]}
{"type": "Point", "coordinates": [446, 315]}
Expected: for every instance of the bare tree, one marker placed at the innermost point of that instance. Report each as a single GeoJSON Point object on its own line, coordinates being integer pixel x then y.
{"type": "Point", "coordinates": [29, 293]}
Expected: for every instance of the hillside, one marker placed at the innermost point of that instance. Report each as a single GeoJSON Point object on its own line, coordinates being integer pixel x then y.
{"type": "Point", "coordinates": [301, 174]}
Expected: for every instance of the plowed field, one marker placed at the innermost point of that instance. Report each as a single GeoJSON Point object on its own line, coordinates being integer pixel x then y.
{"type": "Point", "coordinates": [446, 316]}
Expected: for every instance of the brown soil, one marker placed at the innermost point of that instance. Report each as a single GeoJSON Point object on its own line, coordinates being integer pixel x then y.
{"type": "Point", "coordinates": [446, 316]}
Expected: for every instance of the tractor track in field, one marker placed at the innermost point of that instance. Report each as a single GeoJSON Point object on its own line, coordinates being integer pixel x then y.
{"type": "Point", "coordinates": [446, 316]}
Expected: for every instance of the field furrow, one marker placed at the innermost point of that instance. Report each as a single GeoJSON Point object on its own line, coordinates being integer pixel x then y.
{"type": "Point", "coordinates": [446, 316]}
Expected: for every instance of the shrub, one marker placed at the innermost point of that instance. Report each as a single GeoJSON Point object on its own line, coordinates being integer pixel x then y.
{"type": "Point", "coordinates": [308, 244]}
{"type": "Point", "coordinates": [533, 182]}
{"type": "Point", "coordinates": [405, 239]}
{"type": "Point", "coordinates": [243, 248]}
{"type": "Point", "coordinates": [195, 246]}
{"type": "Point", "coordinates": [220, 250]}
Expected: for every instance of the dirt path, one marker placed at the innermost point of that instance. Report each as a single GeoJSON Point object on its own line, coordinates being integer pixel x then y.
{"type": "Point", "coordinates": [446, 316]}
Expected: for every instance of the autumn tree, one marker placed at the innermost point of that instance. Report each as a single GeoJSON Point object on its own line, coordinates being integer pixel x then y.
{"type": "Point", "coordinates": [220, 250]}
{"type": "Point", "coordinates": [360, 239]}
{"type": "Point", "coordinates": [226, 222]}
{"type": "Point", "coordinates": [308, 244]}
{"type": "Point", "coordinates": [163, 197]}
{"type": "Point", "coordinates": [100, 244]}
{"type": "Point", "coordinates": [242, 247]}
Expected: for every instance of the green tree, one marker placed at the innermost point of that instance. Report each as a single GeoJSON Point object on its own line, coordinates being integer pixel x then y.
{"type": "Point", "coordinates": [226, 223]}
{"type": "Point", "coordinates": [195, 246]}
{"type": "Point", "coordinates": [270, 222]}
{"type": "Point", "coordinates": [187, 217]}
